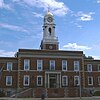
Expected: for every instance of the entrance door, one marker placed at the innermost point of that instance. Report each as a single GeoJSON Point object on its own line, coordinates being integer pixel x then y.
{"type": "Point", "coordinates": [53, 80]}
{"type": "Point", "coordinates": [52, 83]}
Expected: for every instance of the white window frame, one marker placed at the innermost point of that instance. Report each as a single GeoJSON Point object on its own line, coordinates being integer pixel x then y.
{"type": "Point", "coordinates": [26, 62]}
{"type": "Point", "coordinates": [89, 67]}
{"type": "Point", "coordinates": [39, 76]}
{"type": "Point", "coordinates": [78, 80]}
{"type": "Point", "coordinates": [76, 65]}
{"type": "Point", "coordinates": [26, 76]}
{"type": "Point", "coordinates": [7, 79]}
{"type": "Point", "coordinates": [52, 62]}
{"type": "Point", "coordinates": [9, 66]}
{"type": "Point", "coordinates": [39, 65]}
{"type": "Point", "coordinates": [91, 80]}
{"type": "Point", "coordinates": [99, 80]}
{"type": "Point", "coordinates": [98, 67]}
{"type": "Point", "coordinates": [64, 65]}
{"type": "Point", "coordinates": [64, 80]}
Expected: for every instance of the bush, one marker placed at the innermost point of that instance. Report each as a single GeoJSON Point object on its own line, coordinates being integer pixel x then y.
{"type": "Point", "coordinates": [97, 93]}
{"type": "Point", "coordinates": [2, 94]}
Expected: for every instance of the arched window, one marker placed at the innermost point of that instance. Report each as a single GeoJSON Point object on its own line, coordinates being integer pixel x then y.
{"type": "Point", "coordinates": [49, 31]}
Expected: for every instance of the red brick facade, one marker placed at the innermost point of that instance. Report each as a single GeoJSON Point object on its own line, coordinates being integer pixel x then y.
{"type": "Point", "coordinates": [18, 72]}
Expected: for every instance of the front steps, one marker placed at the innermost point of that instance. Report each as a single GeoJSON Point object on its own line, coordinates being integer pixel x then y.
{"type": "Point", "coordinates": [53, 92]}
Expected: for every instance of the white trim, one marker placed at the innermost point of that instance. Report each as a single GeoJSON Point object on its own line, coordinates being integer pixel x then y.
{"type": "Point", "coordinates": [9, 78]}
{"type": "Point", "coordinates": [91, 80]}
{"type": "Point", "coordinates": [52, 62]}
{"type": "Point", "coordinates": [27, 62]}
{"type": "Point", "coordinates": [26, 76]}
{"type": "Point", "coordinates": [98, 80]}
{"type": "Point", "coordinates": [9, 66]}
{"type": "Point", "coordinates": [89, 67]}
{"type": "Point", "coordinates": [39, 76]}
{"type": "Point", "coordinates": [76, 65]}
{"type": "Point", "coordinates": [76, 78]}
{"type": "Point", "coordinates": [39, 65]}
{"type": "Point", "coordinates": [51, 72]}
{"type": "Point", "coordinates": [66, 79]}
{"type": "Point", "coordinates": [98, 67]}
{"type": "Point", "coordinates": [64, 64]}
{"type": "Point", "coordinates": [49, 56]}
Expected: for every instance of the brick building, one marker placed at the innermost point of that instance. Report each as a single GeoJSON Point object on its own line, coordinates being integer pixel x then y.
{"type": "Point", "coordinates": [55, 72]}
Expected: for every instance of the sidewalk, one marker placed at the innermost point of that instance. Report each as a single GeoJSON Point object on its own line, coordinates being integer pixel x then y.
{"type": "Point", "coordinates": [76, 98]}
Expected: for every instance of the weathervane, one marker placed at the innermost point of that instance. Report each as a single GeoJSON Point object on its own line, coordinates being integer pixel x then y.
{"type": "Point", "coordinates": [48, 7]}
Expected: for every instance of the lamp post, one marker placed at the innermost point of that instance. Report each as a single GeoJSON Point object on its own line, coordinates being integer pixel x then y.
{"type": "Point", "coordinates": [80, 84]}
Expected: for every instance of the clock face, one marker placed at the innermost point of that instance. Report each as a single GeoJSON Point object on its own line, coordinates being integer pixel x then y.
{"type": "Point", "coordinates": [50, 47]}
{"type": "Point", "coordinates": [49, 19]}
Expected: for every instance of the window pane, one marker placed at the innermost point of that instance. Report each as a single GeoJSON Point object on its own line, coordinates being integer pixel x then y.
{"type": "Point", "coordinates": [26, 80]}
{"type": "Point", "coordinates": [76, 65]}
{"type": "Point", "coordinates": [39, 80]}
{"type": "Point", "coordinates": [89, 67]}
{"type": "Point", "coordinates": [64, 81]}
{"type": "Point", "coordinates": [39, 65]}
{"type": "Point", "coordinates": [90, 80]}
{"type": "Point", "coordinates": [76, 80]}
{"type": "Point", "coordinates": [98, 67]}
{"type": "Point", "coordinates": [64, 65]}
{"type": "Point", "coordinates": [9, 66]}
{"type": "Point", "coordinates": [8, 80]}
{"type": "Point", "coordinates": [52, 64]}
{"type": "Point", "coordinates": [26, 64]}
{"type": "Point", "coordinates": [99, 80]}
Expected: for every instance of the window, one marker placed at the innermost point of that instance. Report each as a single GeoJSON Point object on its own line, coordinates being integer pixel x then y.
{"type": "Point", "coordinates": [8, 80]}
{"type": "Point", "coordinates": [52, 64]}
{"type": "Point", "coordinates": [64, 81]}
{"type": "Point", "coordinates": [76, 65]}
{"type": "Point", "coordinates": [64, 65]}
{"type": "Point", "coordinates": [39, 65]}
{"type": "Point", "coordinates": [9, 66]}
{"type": "Point", "coordinates": [89, 67]}
{"type": "Point", "coordinates": [26, 64]}
{"type": "Point", "coordinates": [39, 81]}
{"type": "Point", "coordinates": [8, 93]}
{"type": "Point", "coordinates": [76, 80]}
{"type": "Point", "coordinates": [90, 80]}
{"type": "Point", "coordinates": [99, 80]}
{"type": "Point", "coordinates": [26, 80]}
{"type": "Point", "coordinates": [99, 67]}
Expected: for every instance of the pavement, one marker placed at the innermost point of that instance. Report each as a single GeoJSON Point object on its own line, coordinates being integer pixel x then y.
{"type": "Point", "coordinates": [76, 98]}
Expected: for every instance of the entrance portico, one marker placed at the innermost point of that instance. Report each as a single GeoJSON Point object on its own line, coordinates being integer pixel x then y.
{"type": "Point", "coordinates": [52, 79]}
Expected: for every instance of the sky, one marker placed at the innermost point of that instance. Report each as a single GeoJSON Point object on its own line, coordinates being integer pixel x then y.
{"type": "Point", "coordinates": [77, 25]}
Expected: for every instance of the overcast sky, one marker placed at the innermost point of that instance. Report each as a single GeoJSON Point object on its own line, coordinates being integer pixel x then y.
{"type": "Point", "coordinates": [77, 25]}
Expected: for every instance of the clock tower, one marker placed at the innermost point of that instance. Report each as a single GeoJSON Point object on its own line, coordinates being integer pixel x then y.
{"type": "Point", "coordinates": [49, 41]}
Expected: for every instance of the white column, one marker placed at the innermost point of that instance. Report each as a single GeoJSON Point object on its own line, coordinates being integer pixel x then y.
{"type": "Point", "coordinates": [53, 32]}
{"type": "Point", "coordinates": [45, 80]}
{"type": "Point", "coordinates": [60, 80]}
{"type": "Point", "coordinates": [48, 81]}
{"type": "Point", "coordinates": [57, 80]}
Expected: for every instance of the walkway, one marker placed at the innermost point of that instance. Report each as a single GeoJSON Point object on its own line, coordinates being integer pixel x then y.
{"type": "Point", "coordinates": [83, 98]}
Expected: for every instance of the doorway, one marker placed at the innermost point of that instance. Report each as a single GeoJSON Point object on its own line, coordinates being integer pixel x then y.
{"type": "Point", "coordinates": [53, 80]}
